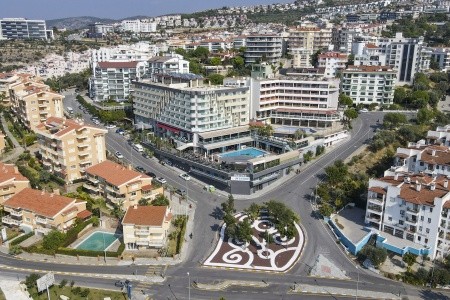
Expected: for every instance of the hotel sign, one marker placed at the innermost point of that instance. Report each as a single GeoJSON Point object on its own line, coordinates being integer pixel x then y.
{"type": "Point", "coordinates": [240, 177]}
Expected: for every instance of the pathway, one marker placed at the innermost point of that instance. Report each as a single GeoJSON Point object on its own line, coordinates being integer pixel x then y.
{"type": "Point", "coordinates": [17, 148]}
{"type": "Point", "coordinates": [13, 290]}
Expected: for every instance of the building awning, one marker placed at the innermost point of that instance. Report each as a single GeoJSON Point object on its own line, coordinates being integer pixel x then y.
{"type": "Point", "coordinates": [84, 214]}
{"type": "Point", "coordinates": [142, 125]}
{"type": "Point", "coordinates": [169, 128]}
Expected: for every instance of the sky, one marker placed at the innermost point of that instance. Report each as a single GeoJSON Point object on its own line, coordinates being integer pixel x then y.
{"type": "Point", "coordinates": [114, 9]}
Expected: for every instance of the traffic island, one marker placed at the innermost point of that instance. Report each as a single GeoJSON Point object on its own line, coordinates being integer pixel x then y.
{"type": "Point", "coordinates": [227, 283]}
{"type": "Point", "coordinates": [266, 251]}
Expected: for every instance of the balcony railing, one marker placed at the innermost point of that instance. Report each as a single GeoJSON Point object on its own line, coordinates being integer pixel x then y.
{"type": "Point", "coordinates": [374, 208]}
{"type": "Point", "coordinates": [16, 213]}
{"type": "Point", "coordinates": [11, 221]}
{"type": "Point", "coordinates": [411, 220]}
{"type": "Point", "coordinates": [142, 232]}
{"type": "Point", "coordinates": [41, 220]}
{"type": "Point", "coordinates": [412, 210]}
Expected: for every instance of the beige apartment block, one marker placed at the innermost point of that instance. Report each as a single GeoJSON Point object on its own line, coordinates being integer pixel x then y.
{"type": "Point", "coordinates": [42, 211]}
{"type": "Point", "coordinates": [69, 146]}
{"type": "Point", "coordinates": [120, 185]}
{"type": "Point", "coordinates": [146, 227]}
{"type": "Point", "coordinates": [34, 102]}
{"type": "Point", "coordinates": [11, 181]}
{"type": "Point", "coordinates": [7, 80]}
{"type": "Point", "coordinates": [309, 38]}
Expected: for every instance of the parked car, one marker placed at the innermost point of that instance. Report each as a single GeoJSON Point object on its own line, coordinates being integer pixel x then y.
{"type": "Point", "coordinates": [120, 131]}
{"type": "Point", "coordinates": [110, 126]}
{"type": "Point", "coordinates": [161, 180]}
{"type": "Point", "coordinates": [145, 155]}
{"type": "Point", "coordinates": [96, 122]}
{"type": "Point", "coordinates": [140, 169]}
{"type": "Point", "coordinates": [364, 110]}
{"type": "Point", "coordinates": [185, 176]}
{"type": "Point", "coordinates": [121, 283]}
{"type": "Point", "coordinates": [181, 192]}
{"type": "Point", "coordinates": [151, 174]}
{"type": "Point", "coordinates": [118, 155]}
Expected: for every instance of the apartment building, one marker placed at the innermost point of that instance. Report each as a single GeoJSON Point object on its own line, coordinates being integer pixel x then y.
{"type": "Point", "coordinates": [138, 26]}
{"type": "Point", "coordinates": [69, 146]}
{"type": "Point", "coordinates": [406, 55]}
{"type": "Point", "coordinates": [442, 57]}
{"type": "Point", "coordinates": [344, 37]}
{"type": "Point", "coordinates": [309, 37]}
{"type": "Point", "coordinates": [99, 30]}
{"type": "Point", "coordinates": [42, 211]}
{"type": "Point", "coordinates": [140, 51]}
{"type": "Point", "coordinates": [332, 62]}
{"type": "Point", "coordinates": [368, 54]}
{"type": "Point", "coordinates": [369, 84]}
{"type": "Point", "coordinates": [7, 80]}
{"type": "Point", "coordinates": [34, 102]}
{"type": "Point", "coordinates": [119, 185]}
{"type": "Point", "coordinates": [146, 227]}
{"type": "Point", "coordinates": [11, 181]}
{"type": "Point", "coordinates": [20, 28]}
{"type": "Point", "coordinates": [170, 63]}
{"type": "Point", "coordinates": [301, 57]}
{"type": "Point", "coordinates": [263, 48]}
{"type": "Point", "coordinates": [181, 107]}
{"type": "Point", "coordinates": [410, 212]}
{"type": "Point", "coordinates": [112, 79]}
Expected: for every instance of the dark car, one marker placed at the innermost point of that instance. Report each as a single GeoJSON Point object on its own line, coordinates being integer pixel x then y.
{"type": "Point", "coordinates": [181, 192]}
{"type": "Point", "coordinates": [140, 169]}
{"type": "Point", "coordinates": [151, 174]}
{"type": "Point", "coordinates": [145, 155]}
{"type": "Point", "coordinates": [121, 283]}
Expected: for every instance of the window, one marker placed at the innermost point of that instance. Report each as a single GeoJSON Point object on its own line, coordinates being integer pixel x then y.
{"type": "Point", "coordinates": [427, 230]}
{"type": "Point", "coordinates": [390, 218]}
{"type": "Point", "coordinates": [420, 228]}
{"type": "Point", "coordinates": [429, 220]}
{"type": "Point", "coordinates": [421, 218]}
{"type": "Point", "coordinates": [419, 238]}
{"type": "Point", "coordinates": [400, 222]}
{"type": "Point", "coordinates": [426, 241]}
{"type": "Point", "coordinates": [431, 209]}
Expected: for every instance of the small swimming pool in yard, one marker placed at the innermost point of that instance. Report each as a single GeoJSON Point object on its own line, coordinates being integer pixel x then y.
{"type": "Point", "coordinates": [98, 241]}
{"type": "Point", "coordinates": [252, 152]}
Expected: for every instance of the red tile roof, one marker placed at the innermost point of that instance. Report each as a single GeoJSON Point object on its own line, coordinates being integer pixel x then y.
{"type": "Point", "coordinates": [333, 54]}
{"type": "Point", "coordinates": [8, 172]}
{"type": "Point", "coordinates": [146, 215]}
{"type": "Point", "coordinates": [65, 125]}
{"type": "Point", "coordinates": [371, 46]}
{"type": "Point", "coordinates": [117, 64]}
{"type": "Point", "coordinates": [114, 174]}
{"type": "Point", "coordinates": [378, 190]}
{"type": "Point", "coordinates": [84, 214]}
{"type": "Point", "coordinates": [39, 202]}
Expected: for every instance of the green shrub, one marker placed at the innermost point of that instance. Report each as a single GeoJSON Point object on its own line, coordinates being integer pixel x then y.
{"type": "Point", "coordinates": [21, 238]}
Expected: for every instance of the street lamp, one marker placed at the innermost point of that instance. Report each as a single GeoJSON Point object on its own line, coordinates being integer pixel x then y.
{"type": "Point", "coordinates": [189, 286]}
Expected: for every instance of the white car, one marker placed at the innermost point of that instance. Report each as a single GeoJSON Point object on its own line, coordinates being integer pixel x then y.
{"type": "Point", "coordinates": [118, 155]}
{"type": "Point", "coordinates": [110, 126]}
{"type": "Point", "coordinates": [161, 180]}
{"type": "Point", "coordinates": [185, 176]}
{"type": "Point", "coordinates": [364, 110]}
{"type": "Point", "coordinates": [96, 122]}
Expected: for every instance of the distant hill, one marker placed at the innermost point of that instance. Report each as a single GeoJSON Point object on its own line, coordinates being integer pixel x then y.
{"type": "Point", "coordinates": [76, 22]}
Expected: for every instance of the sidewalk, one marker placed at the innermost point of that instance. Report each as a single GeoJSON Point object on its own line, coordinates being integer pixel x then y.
{"type": "Point", "coordinates": [17, 148]}
{"type": "Point", "coordinates": [324, 290]}
{"type": "Point", "coordinates": [12, 290]}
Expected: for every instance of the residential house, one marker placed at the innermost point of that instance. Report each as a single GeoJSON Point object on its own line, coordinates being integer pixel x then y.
{"type": "Point", "coordinates": [120, 185]}
{"type": "Point", "coordinates": [146, 227]}
{"type": "Point", "coordinates": [41, 211]}
{"type": "Point", "coordinates": [11, 181]}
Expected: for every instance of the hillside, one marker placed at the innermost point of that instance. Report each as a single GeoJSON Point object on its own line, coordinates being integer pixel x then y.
{"type": "Point", "coordinates": [76, 22]}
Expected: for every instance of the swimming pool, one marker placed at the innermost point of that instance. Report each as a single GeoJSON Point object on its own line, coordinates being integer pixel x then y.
{"type": "Point", "coordinates": [98, 241]}
{"type": "Point", "coordinates": [253, 152]}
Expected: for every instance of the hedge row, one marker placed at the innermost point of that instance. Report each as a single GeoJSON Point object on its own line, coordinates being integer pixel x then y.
{"type": "Point", "coordinates": [181, 234]}
{"type": "Point", "coordinates": [72, 233]}
{"type": "Point", "coordinates": [92, 110]}
{"type": "Point", "coordinates": [81, 252]}
{"type": "Point", "coordinates": [21, 238]}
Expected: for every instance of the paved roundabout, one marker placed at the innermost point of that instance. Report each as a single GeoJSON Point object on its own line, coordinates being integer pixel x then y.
{"type": "Point", "coordinates": [277, 256]}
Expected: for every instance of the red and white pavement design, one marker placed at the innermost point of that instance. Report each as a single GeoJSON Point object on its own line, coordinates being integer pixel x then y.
{"type": "Point", "coordinates": [257, 255]}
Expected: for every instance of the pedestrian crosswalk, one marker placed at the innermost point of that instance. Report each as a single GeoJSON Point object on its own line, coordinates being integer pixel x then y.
{"type": "Point", "coordinates": [151, 272]}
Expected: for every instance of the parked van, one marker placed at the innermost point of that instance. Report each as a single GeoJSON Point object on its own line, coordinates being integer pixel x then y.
{"type": "Point", "coordinates": [138, 147]}
{"type": "Point", "coordinates": [70, 110]}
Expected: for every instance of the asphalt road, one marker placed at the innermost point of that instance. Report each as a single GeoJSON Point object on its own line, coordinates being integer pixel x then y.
{"type": "Point", "coordinates": [292, 192]}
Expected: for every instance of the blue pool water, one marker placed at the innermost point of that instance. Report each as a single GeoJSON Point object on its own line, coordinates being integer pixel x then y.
{"type": "Point", "coordinates": [253, 152]}
{"type": "Point", "coordinates": [98, 241]}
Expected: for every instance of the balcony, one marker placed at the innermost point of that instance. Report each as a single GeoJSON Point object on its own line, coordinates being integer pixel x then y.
{"type": "Point", "coordinates": [372, 218]}
{"type": "Point", "coordinates": [411, 220]}
{"type": "Point", "coordinates": [374, 208]}
{"type": "Point", "coordinates": [412, 210]}
{"type": "Point", "coordinates": [41, 220]}
{"type": "Point", "coordinates": [11, 221]}
{"type": "Point", "coordinates": [142, 232]}
{"type": "Point", "coordinates": [376, 201]}
{"type": "Point", "coordinates": [16, 213]}
{"type": "Point", "coordinates": [91, 187]}
{"type": "Point", "coordinates": [115, 199]}
{"type": "Point", "coordinates": [93, 180]}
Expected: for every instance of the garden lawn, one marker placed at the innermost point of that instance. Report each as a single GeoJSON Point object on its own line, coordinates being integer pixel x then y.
{"type": "Point", "coordinates": [56, 291]}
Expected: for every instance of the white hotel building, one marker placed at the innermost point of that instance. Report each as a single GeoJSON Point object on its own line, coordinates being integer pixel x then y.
{"type": "Point", "coordinates": [180, 107]}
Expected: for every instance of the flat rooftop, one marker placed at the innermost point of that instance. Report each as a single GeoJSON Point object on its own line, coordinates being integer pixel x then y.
{"type": "Point", "coordinates": [352, 219]}
{"type": "Point", "coordinates": [399, 242]}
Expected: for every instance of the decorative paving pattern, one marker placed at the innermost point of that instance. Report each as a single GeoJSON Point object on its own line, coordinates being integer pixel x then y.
{"type": "Point", "coordinates": [257, 255]}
